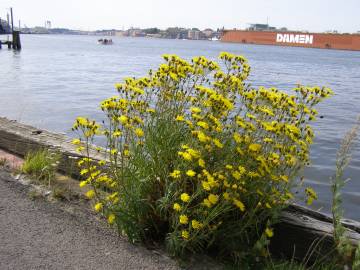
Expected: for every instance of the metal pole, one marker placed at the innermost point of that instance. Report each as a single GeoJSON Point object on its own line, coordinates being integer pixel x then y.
{"type": "Point", "coordinates": [8, 24]}
{"type": "Point", "coordinates": [12, 20]}
{"type": "Point", "coordinates": [19, 26]}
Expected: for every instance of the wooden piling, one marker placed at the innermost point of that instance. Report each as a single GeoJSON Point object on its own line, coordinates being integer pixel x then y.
{"type": "Point", "coordinates": [16, 43]}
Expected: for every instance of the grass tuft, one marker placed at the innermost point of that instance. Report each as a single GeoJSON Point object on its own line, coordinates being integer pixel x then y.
{"type": "Point", "coordinates": [3, 162]}
{"type": "Point", "coordinates": [41, 165]}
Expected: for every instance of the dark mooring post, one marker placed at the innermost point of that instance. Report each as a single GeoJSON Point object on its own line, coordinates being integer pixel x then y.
{"type": "Point", "coordinates": [15, 34]}
{"type": "Point", "coordinates": [16, 40]}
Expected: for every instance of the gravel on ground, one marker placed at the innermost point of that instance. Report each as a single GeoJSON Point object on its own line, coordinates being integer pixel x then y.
{"type": "Point", "coordinates": [37, 234]}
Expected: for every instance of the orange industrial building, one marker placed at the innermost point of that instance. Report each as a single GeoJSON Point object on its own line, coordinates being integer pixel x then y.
{"type": "Point", "coordinates": [297, 39]}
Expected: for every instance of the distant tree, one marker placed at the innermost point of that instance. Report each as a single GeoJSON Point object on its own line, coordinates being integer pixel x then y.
{"type": "Point", "coordinates": [152, 31]}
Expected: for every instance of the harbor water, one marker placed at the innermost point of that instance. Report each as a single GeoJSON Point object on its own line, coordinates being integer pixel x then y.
{"type": "Point", "coordinates": [56, 78]}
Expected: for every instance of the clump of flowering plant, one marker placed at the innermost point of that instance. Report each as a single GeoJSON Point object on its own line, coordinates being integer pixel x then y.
{"type": "Point", "coordinates": [198, 157]}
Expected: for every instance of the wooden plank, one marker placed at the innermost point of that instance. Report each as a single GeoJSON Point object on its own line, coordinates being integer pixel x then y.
{"type": "Point", "coordinates": [21, 139]}
{"type": "Point", "coordinates": [299, 229]}
{"type": "Point", "coordinates": [304, 233]}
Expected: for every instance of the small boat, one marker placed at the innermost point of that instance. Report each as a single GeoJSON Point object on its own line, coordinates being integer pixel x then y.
{"type": "Point", "coordinates": [105, 41]}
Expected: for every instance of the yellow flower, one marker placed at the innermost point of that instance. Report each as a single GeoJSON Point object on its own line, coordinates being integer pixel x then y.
{"type": "Point", "coordinates": [81, 162]}
{"type": "Point", "coordinates": [183, 219]}
{"type": "Point", "coordinates": [237, 137]}
{"type": "Point", "coordinates": [98, 207]}
{"type": "Point", "coordinates": [218, 143]}
{"type": "Point", "coordinates": [75, 141]}
{"type": "Point", "coordinates": [83, 183]}
{"type": "Point", "coordinates": [205, 185]}
{"type": "Point", "coordinates": [269, 232]}
{"type": "Point", "coordinates": [117, 133]}
{"type": "Point", "coordinates": [202, 137]}
{"type": "Point", "coordinates": [185, 234]}
{"type": "Point", "coordinates": [203, 124]}
{"type": "Point", "coordinates": [226, 196]}
{"type": "Point", "coordinates": [190, 173]}
{"type": "Point", "coordinates": [185, 197]}
{"type": "Point", "coordinates": [126, 153]}
{"type": "Point", "coordinates": [175, 174]}
{"type": "Point", "coordinates": [240, 205]}
{"type": "Point", "coordinates": [185, 155]}
{"type": "Point", "coordinates": [179, 118]}
{"type": "Point", "coordinates": [207, 203]}
{"type": "Point", "coordinates": [268, 140]}
{"type": "Point", "coordinates": [236, 175]}
{"type": "Point", "coordinates": [139, 132]}
{"type": "Point", "coordinates": [123, 119]}
{"type": "Point", "coordinates": [80, 148]}
{"type": "Point", "coordinates": [255, 147]}
{"type": "Point", "coordinates": [111, 219]}
{"type": "Point", "coordinates": [213, 199]}
{"type": "Point", "coordinates": [193, 153]}
{"type": "Point", "coordinates": [90, 194]}
{"type": "Point", "coordinates": [196, 224]}
{"type": "Point", "coordinates": [229, 167]}
{"type": "Point", "coordinates": [311, 195]}
{"type": "Point", "coordinates": [201, 163]}
{"type": "Point", "coordinates": [184, 146]}
{"type": "Point", "coordinates": [195, 110]}
{"type": "Point", "coordinates": [285, 178]}
{"type": "Point", "coordinates": [101, 162]}
{"type": "Point", "coordinates": [177, 207]}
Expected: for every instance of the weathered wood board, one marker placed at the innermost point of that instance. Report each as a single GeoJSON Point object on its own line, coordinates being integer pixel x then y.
{"type": "Point", "coordinates": [299, 228]}
{"type": "Point", "coordinates": [305, 233]}
{"type": "Point", "coordinates": [21, 139]}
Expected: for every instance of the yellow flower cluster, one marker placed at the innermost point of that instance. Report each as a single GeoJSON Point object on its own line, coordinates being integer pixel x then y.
{"type": "Point", "coordinates": [262, 132]}
{"type": "Point", "coordinates": [235, 150]}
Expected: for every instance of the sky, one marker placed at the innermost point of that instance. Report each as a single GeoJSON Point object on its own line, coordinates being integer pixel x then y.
{"type": "Point", "coordinates": [311, 15]}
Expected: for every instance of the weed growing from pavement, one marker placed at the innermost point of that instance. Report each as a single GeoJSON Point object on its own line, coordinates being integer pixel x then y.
{"type": "Point", "coordinates": [3, 162]}
{"type": "Point", "coordinates": [41, 165]}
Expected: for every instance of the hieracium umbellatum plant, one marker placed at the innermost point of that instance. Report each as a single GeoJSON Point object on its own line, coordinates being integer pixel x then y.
{"type": "Point", "coordinates": [197, 157]}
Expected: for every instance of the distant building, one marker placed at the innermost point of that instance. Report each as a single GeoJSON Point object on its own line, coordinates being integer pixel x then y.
{"type": "Point", "coordinates": [261, 27]}
{"type": "Point", "coordinates": [135, 32]}
{"type": "Point", "coordinates": [48, 24]}
{"type": "Point", "coordinates": [195, 34]}
{"type": "Point", "coordinates": [4, 27]}
{"type": "Point", "coordinates": [120, 33]}
{"type": "Point", "coordinates": [332, 32]}
{"type": "Point", "coordinates": [39, 30]}
{"type": "Point", "coordinates": [208, 33]}
{"type": "Point", "coordinates": [175, 33]}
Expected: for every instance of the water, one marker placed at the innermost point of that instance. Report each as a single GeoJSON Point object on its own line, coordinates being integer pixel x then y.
{"type": "Point", "coordinates": [56, 78]}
